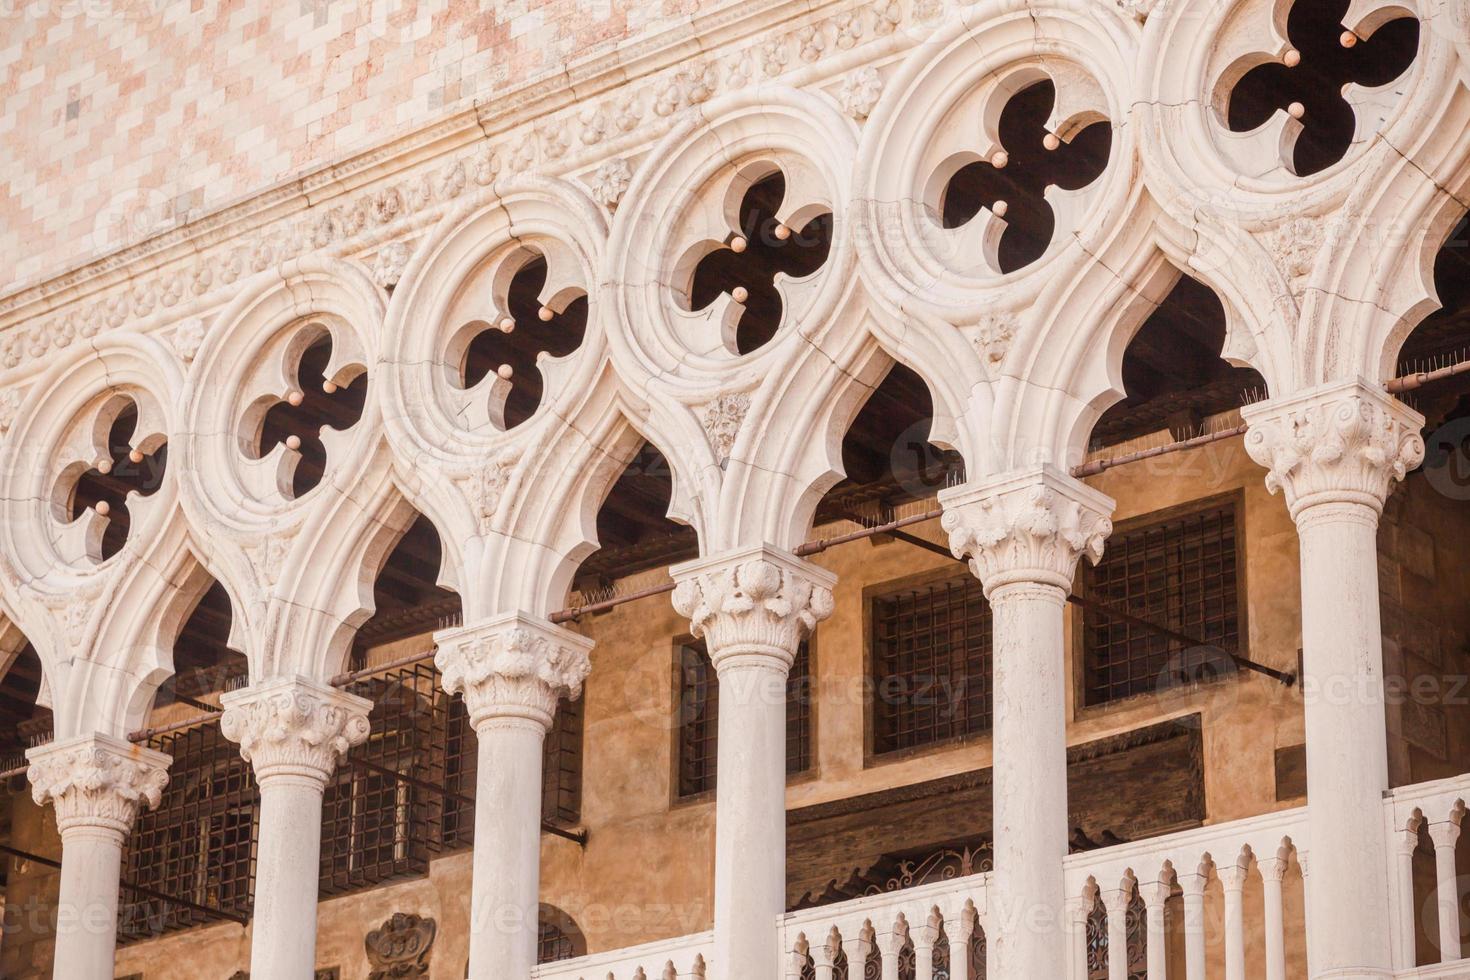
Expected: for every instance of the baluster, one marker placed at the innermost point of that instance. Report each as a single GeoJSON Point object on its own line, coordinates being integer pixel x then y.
{"type": "Point", "coordinates": [796, 958]}
{"type": "Point", "coordinates": [1232, 879]}
{"type": "Point", "coordinates": [1193, 886]}
{"type": "Point", "coordinates": [1408, 843]}
{"type": "Point", "coordinates": [889, 943]}
{"type": "Point", "coordinates": [1155, 899]}
{"type": "Point", "coordinates": [1273, 870]}
{"type": "Point", "coordinates": [964, 927]}
{"type": "Point", "coordinates": [1080, 910]}
{"type": "Point", "coordinates": [1445, 836]}
{"type": "Point", "coordinates": [924, 939]}
{"type": "Point", "coordinates": [1116, 904]}
{"type": "Point", "coordinates": [857, 949]}
{"type": "Point", "coordinates": [825, 955]}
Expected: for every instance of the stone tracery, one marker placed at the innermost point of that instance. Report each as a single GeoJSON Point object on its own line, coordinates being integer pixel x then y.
{"type": "Point", "coordinates": [515, 469]}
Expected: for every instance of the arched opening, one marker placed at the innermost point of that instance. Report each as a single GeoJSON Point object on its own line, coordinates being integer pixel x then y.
{"type": "Point", "coordinates": [23, 722]}
{"type": "Point", "coordinates": [1173, 376]}
{"type": "Point", "coordinates": [558, 936]}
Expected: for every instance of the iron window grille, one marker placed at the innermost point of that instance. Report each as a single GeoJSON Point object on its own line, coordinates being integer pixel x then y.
{"type": "Point", "coordinates": [931, 665]}
{"type": "Point", "coordinates": [1182, 573]}
{"type": "Point", "coordinates": [393, 803]}
{"type": "Point", "coordinates": [697, 718]}
{"type": "Point", "coordinates": [198, 844]}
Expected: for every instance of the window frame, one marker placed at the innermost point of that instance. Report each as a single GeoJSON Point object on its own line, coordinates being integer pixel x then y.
{"type": "Point", "coordinates": [872, 594]}
{"type": "Point", "coordinates": [1077, 622]}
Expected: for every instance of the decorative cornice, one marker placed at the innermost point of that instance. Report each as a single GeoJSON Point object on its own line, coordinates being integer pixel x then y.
{"type": "Point", "coordinates": [512, 666]}
{"type": "Point", "coordinates": [1029, 527]}
{"type": "Point", "coordinates": [294, 726]}
{"type": "Point", "coordinates": [97, 781]}
{"type": "Point", "coordinates": [1343, 443]}
{"type": "Point", "coordinates": [753, 605]}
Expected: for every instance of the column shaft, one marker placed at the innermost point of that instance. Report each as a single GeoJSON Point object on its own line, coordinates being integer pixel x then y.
{"type": "Point", "coordinates": [750, 817]}
{"type": "Point", "coordinates": [86, 910]}
{"type": "Point", "coordinates": [287, 877]}
{"type": "Point", "coordinates": [1027, 892]}
{"type": "Point", "coordinates": [507, 858]}
{"type": "Point", "coordinates": [1347, 742]}
{"type": "Point", "coordinates": [753, 607]}
{"type": "Point", "coordinates": [513, 671]}
{"type": "Point", "coordinates": [293, 731]}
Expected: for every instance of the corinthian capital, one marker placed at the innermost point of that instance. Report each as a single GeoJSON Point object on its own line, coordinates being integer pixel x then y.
{"type": "Point", "coordinates": [1340, 443]}
{"type": "Point", "coordinates": [1028, 526]}
{"type": "Point", "coordinates": [294, 726]}
{"type": "Point", "coordinates": [513, 666]}
{"type": "Point", "coordinates": [97, 781]}
{"type": "Point", "coordinates": [758, 602]}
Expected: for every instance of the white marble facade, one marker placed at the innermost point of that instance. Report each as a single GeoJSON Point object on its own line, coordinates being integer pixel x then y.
{"type": "Point", "coordinates": [621, 176]}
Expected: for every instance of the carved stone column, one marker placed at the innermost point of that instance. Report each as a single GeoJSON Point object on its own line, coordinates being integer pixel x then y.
{"type": "Point", "coordinates": [293, 731]}
{"type": "Point", "coordinates": [752, 607]}
{"type": "Point", "coordinates": [513, 671]}
{"type": "Point", "coordinates": [1023, 533]}
{"type": "Point", "coordinates": [1335, 451]}
{"type": "Point", "coordinates": [97, 784]}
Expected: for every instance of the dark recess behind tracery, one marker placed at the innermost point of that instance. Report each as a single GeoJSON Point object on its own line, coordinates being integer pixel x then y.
{"type": "Point", "coordinates": [1172, 370]}
{"type": "Point", "coordinates": [1314, 28]}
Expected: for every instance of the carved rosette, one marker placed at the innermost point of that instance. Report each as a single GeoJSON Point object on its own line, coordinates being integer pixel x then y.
{"type": "Point", "coordinates": [513, 666]}
{"type": "Point", "coordinates": [753, 605]}
{"type": "Point", "coordinates": [1340, 443]}
{"type": "Point", "coordinates": [1027, 527]}
{"type": "Point", "coordinates": [97, 781]}
{"type": "Point", "coordinates": [294, 726]}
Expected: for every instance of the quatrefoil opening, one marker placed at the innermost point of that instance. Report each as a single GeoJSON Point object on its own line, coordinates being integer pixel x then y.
{"type": "Point", "coordinates": [116, 460]}
{"type": "Point", "coordinates": [305, 401]}
{"type": "Point", "coordinates": [1303, 108]}
{"type": "Point", "coordinates": [1044, 141]}
{"type": "Point", "coordinates": [770, 229]}
{"type": "Point", "coordinates": [507, 353]}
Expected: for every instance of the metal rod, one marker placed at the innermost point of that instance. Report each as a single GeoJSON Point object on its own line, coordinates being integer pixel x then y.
{"type": "Point", "coordinates": [136, 889]}
{"type": "Point", "coordinates": [342, 680]}
{"type": "Point", "coordinates": [822, 544]}
{"type": "Point", "coordinates": [1284, 677]}
{"type": "Point", "coordinates": [1409, 382]}
{"type": "Point", "coordinates": [144, 734]}
{"type": "Point", "coordinates": [1097, 466]}
{"type": "Point", "coordinates": [575, 612]}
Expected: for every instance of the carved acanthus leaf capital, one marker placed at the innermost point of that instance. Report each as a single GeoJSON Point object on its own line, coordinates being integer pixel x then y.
{"type": "Point", "coordinates": [758, 602]}
{"type": "Point", "coordinates": [97, 781]}
{"type": "Point", "coordinates": [1030, 526]}
{"type": "Point", "coordinates": [1341, 443]}
{"type": "Point", "coordinates": [294, 726]}
{"type": "Point", "coordinates": [513, 666]}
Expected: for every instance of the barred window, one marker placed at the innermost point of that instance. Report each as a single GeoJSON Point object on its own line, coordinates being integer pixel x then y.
{"type": "Point", "coordinates": [561, 773]}
{"type": "Point", "coordinates": [198, 844]}
{"type": "Point", "coordinates": [931, 664]}
{"type": "Point", "coordinates": [557, 936]}
{"type": "Point", "coordinates": [698, 717]}
{"type": "Point", "coordinates": [381, 805]}
{"type": "Point", "coordinates": [1182, 574]}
